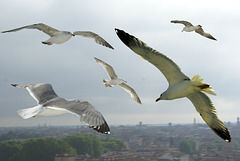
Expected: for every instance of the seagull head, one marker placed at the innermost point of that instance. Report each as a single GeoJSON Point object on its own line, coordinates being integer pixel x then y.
{"type": "Point", "coordinates": [69, 33]}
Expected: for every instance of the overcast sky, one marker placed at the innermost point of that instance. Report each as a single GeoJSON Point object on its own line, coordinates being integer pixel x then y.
{"type": "Point", "coordinates": [74, 74]}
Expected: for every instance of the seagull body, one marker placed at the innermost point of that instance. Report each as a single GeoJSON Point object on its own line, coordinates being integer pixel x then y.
{"type": "Point", "coordinates": [188, 27]}
{"type": "Point", "coordinates": [117, 81]}
{"type": "Point", "coordinates": [59, 37]}
{"type": "Point", "coordinates": [49, 104]}
{"type": "Point", "coordinates": [179, 84]}
{"type": "Point", "coordinates": [185, 87]}
{"type": "Point", "coordinates": [113, 82]}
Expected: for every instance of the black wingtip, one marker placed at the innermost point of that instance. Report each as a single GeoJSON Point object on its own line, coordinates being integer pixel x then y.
{"type": "Point", "coordinates": [124, 37]}
{"type": "Point", "coordinates": [14, 85]}
{"type": "Point", "coordinates": [173, 21]}
{"type": "Point", "coordinates": [214, 39]}
{"type": "Point", "coordinates": [110, 47]}
{"type": "Point", "coordinates": [104, 128]}
{"type": "Point", "coordinates": [224, 134]}
{"type": "Point", "coordinates": [116, 30]}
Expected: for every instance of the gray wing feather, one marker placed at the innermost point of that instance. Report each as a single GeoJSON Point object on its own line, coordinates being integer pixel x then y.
{"type": "Point", "coordinates": [88, 114]}
{"type": "Point", "coordinates": [40, 26]}
{"type": "Point", "coordinates": [201, 32]}
{"type": "Point", "coordinates": [169, 69]}
{"type": "Point", "coordinates": [40, 92]}
{"type": "Point", "coordinates": [206, 109]}
{"type": "Point", "coordinates": [95, 36]}
{"type": "Point", "coordinates": [131, 91]}
{"type": "Point", "coordinates": [108, 68]}
{"type": "Point", "coordinates": [186, 23]}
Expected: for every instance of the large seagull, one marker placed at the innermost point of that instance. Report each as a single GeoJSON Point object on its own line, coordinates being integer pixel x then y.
{"type": "Point", "coordinates": [50, 104]}
{"type": "Point", "coordinates": [59, 37]}
{"type": "Point", "coordinates": [179, 84]}
{"type": "Point", "coordinates": [117, 81]}
{"type": "Point", "coordinates": [188, 27]}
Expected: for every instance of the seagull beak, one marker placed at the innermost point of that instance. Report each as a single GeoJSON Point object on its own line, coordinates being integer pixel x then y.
{"type": "Point", "coordinates": [158, 99]}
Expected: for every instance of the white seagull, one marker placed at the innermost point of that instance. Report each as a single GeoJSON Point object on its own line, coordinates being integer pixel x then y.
{"type": "Point", "coordinates": [50, 104]}
{"type": "Point", "coordinates": [117, 81]}
{"type": "Point", "coordinates": [59, 37]}
{"type": "Point", "coordinates": [189, 28]}
{"type": "Point", "coordinates": [179, 84]}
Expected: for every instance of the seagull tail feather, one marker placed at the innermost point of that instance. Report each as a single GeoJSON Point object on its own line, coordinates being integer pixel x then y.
{"type": "Point", "coordinates": [198, 82]}
{"type": "Point", "coordinates": [27, 113]}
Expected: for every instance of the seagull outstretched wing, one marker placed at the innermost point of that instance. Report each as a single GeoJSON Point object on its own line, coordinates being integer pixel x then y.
{"type": "Point", "coordinates": [207, 111]}
{"type": "Point", "coordinates": [40, 26]}
{"type": "Point", "coordinates": [169, 69]}
{"type": "Point", "coordinates": [96, 37]}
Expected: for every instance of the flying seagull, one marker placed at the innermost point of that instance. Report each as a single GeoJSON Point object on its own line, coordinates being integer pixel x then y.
{"type": "Point", "coordinates": [50, 104]}
{"type": "Point", "coordinates": [179, 84]}
{"type": "Point", "coordinates": [117, 81]}
{"type": "Point", "coordinates": [189, 28]}
{"type": "Point", "coordinates": [59, 37]}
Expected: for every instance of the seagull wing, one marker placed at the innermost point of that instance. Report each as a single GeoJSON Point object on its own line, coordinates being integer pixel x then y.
{"type": "Point", "coordinates": [40, 26]}
{"type": "Point", "coordinates": [169, 69]}
{"type": "Point", "coordinates": [207, 111]}
{"type": "Point", "coordinates": [88, 114]}
{"type": "Point", "coordinates": [109, 69]}
{"type": "Point", "coordinates": [40, 92]}
{"type": "Point", "coordinates": [201, 32]}
{"type": "Point", "coordinates": [186, 23]}
{"type": "Point", "coordinates": [96, 37]}
{"type": "Point", "coordinates": [131, 91]}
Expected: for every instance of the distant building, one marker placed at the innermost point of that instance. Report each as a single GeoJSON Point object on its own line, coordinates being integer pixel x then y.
{"type": "Point", "coordinates": [140, 125]}
{"type": "Point", "coordinates": [169, 124]}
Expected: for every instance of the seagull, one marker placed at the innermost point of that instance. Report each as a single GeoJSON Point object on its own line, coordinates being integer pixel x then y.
{"type": "Point", "coordinates": [117, 81]}
{"type": "Point", "coordinates": [59, 37]}
{"type": "Point", "coordinates": [50, 104]}
{"type": "Point", "coordinates": [179, 84]}
{"type": "Point", "coordinates": [189, 28]}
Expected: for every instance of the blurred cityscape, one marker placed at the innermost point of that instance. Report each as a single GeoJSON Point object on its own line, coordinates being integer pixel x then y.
{"type": "Point", "coordinates": [147, 142]}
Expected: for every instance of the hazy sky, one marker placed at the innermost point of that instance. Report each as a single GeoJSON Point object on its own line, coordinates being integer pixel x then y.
{"type": "Point", "coordinates": [73, 72]}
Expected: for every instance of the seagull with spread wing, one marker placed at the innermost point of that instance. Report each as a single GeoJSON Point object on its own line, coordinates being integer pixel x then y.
{"type": "Point", "coordinates": [117, 81]}
{"type": "Point", "coordinates": [179, 84]}
{"type": "Point", "coordinates": [50, 104]}
{"type": "Point", "coordinates": [198, 29]}
{"type": "Point", "coordinates": [59, 37]}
